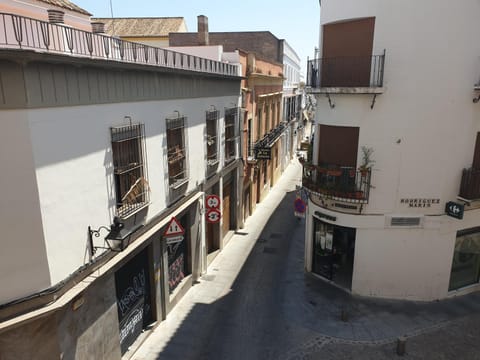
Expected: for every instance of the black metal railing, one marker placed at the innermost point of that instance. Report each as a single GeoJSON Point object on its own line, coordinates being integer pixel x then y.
{"type": "Point", "coordinates": [19, 32]}
{"type": "Point", "coordinates": [346, 71]}
{"type": "Point", "coordinates": [470, 185]}
{"type": "Point", "coordinates": [270, 137]}
{"type": "Point", "coordinates": [345, 183]}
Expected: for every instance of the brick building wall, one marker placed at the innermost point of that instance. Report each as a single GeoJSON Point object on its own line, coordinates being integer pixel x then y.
{"type": "Point", "coordinates": [263, 43]}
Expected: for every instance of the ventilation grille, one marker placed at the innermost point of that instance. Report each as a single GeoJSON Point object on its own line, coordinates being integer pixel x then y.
{"type": "Point", "coordinates": [405, 221]}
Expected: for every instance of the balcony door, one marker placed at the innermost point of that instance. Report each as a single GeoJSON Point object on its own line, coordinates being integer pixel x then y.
{"type": "Point", "coordinates": [347, 53]}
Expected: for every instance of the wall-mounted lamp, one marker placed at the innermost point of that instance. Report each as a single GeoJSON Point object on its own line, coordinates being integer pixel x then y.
{"type": "Point", "coordinates": [117, 237]}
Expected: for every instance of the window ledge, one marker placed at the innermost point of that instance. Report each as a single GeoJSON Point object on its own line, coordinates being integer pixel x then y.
{"type": "Point", "coordinates": [177, 184]}
{"type": "Point", "coordinates": [212, 162]}
{"type": "Point", "coordinates": [140, 207]}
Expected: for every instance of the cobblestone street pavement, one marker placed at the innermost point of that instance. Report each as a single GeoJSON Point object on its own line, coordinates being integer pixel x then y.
{"type": "Point", "coordinates": [256, 302]}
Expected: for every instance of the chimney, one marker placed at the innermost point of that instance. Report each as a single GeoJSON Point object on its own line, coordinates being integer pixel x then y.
{"type": "Point", "coordinates": [98, 27]}
{"type": "Point", "coordinates": [55, 16]}
{"type": "Point", "coordinates": [202, 30]}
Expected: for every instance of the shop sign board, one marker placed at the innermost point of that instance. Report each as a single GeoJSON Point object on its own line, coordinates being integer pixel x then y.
{"type": "Point", "coordinates": [263, 153]}
{"type": "Point", "coordinates": [454, 209]}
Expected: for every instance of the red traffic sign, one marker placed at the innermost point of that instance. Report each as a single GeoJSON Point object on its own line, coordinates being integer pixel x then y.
{"type": "Point", "coordinates": [213, 216]}
{"type": "Point", "coordinates": [300, 206]}
{"type": "Point", "coordinates": [174, 228]}
{"type": "Point", "coordinates": [213, 202]}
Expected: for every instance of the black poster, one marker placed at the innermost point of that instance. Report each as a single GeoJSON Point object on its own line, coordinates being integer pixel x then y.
{"type": "Point", "coordinates": [132, 283]}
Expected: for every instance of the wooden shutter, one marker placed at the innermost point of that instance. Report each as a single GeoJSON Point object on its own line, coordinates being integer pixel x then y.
{"type": "Point", "coordinates": [347, 53]}
{"type": "Point", "coordinates": [338, 145]}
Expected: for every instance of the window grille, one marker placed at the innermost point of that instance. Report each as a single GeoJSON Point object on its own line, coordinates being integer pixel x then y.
{"type": "Point", "coordinates": [176, 151]}
{"type": "Point", "coordinates": [128, 151]}
{"type": "Point", "coordinates": [212, 137]}
{"type": "Point", "coordinates": [231, 133]}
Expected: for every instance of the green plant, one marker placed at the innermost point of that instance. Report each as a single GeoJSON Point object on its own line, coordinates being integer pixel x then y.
{"type": "Point", "coordinates": [367, 161]}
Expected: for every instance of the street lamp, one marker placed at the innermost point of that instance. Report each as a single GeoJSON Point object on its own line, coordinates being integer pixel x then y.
{"type": "Point", "coordinates": [115, 238]}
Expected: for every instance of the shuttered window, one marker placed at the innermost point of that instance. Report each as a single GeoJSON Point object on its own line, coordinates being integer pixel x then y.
{"type": "Point", "coordinates": [338, 146]}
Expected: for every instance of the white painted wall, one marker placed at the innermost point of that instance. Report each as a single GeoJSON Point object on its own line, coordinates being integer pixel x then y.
{"type": "Point", "coordinates": [422, 128]}
{"type": "Point", "coordinates": [73, 159]}
{"type": "Point", "coordinates": [427, 104]}
{"type": "Point", "coordinates": [212, 52]}
{"type": "Point", "coordinates": [291, 68]}
{"type": "Point", "coordinates": [23, 263]}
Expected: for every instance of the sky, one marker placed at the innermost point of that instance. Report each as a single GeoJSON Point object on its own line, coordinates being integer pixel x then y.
{"type": "Point", "coordinates": [295, 21]}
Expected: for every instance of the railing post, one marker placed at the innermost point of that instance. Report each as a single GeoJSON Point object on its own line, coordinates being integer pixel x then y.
{"type": "Point", "coordinates": [17, 29]}
{"type": "Point", "coordinates": [88, 39]}
{"type": "Point", "coordinates": [44, 28]}
{"type": "Point", "coordinates": [69, 36]}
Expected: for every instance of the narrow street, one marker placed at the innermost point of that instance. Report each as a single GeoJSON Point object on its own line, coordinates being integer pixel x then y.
{"type": "Point", "coordinates": [256, 302]}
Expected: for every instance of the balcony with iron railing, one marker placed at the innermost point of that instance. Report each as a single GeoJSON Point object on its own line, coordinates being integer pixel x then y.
{"type": "Point", "coordinates": [342, 183]}
{"type": "Point", "coordinates": [270, 137]}
{"type": "Point", "coordinates": [346, 74]}
{"type": "Point", "coordinates": [470, 185]}
{"type": "Point", "coordinates": [23, 33]}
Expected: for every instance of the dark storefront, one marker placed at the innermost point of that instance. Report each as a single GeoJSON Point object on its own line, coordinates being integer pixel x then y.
{"type": "Point", "coordinates": [333, 252]}
{"type": "Point", "coordinates": [134, 302]}
{"type": "Point", "coordinates": [466, 259]}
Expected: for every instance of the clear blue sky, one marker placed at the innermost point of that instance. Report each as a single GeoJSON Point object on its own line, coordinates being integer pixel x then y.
{"type": "Point", "coordinates": [295, 21]}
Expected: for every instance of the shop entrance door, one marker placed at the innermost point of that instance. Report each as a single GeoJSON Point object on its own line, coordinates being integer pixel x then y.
{"type": "Point", "coordinates": [333, 252]}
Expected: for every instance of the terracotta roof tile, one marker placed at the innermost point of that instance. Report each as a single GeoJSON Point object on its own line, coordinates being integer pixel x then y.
{"type": "Point", "coordinates": [158, 26]}
{"type": "Point", "coordinates": [67, 5]}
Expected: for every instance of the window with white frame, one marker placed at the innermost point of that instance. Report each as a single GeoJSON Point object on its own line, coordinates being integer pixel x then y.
{"type": "Point", "coordinates": [231, 133]}
{"type": "Point", "coordinates": [128, 152]}
{"type": "Point", "coordinates": [176, 151]}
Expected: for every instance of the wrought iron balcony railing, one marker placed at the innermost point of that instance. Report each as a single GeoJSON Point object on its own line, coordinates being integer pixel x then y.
{"type": "Point", "coordinates": [270, 137]}
{"type": "Point", "coordinates": [346, 72]}
{"type": "Point", "coordinates": [18, 32]}
{"type": "Point", "coordinates": [346, 183]}
{"type": "Point", "coordinates": [470, 185]}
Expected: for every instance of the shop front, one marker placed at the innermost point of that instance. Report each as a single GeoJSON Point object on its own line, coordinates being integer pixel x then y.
{"type": "Point", "coordinates": [333, 252]}
{"type": "Point", "coordinates": [134, 300]}
{"type": "Point", "coordinates": [466, 259]}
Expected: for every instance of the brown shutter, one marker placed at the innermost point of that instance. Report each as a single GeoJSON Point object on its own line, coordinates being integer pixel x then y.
{"type": "Point", "coordinates": [346, 53]}
{"type": "Point", "coordinates": [338, 145]}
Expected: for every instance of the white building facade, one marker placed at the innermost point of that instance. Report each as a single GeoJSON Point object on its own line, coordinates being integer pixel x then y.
{"type": "Point", "coordinates": [110, 150]}
{"type": "Point", "coordinates": [396, 141]}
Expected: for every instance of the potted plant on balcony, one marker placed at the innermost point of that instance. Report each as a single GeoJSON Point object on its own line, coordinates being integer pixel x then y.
{"type": "Point", "coordinates": [367, 161]}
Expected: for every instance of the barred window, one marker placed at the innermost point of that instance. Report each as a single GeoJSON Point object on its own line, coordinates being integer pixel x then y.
{"type": "Point", "coordinates": [176, 151]}
{"type": "Point", "coordinates": [231, 133]}
{"type": "Point", "coordinates": [128, 151]}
